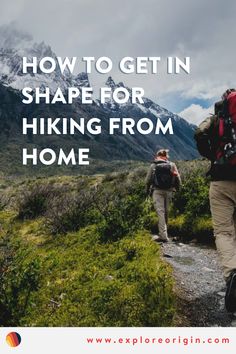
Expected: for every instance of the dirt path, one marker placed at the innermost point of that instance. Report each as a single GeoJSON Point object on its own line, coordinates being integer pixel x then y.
{"type": "Point", "coordinates": [200, 285]}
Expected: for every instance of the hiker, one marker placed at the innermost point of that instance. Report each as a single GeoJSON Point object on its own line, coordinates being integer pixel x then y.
{"type": "Point", "coordinates": [216, 140]}
{"type": "Point", "coordinates": [162, 179]}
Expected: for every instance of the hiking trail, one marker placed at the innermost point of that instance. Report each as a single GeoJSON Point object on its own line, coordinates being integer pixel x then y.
{"type": "Point", "coordinates": [199, 285]}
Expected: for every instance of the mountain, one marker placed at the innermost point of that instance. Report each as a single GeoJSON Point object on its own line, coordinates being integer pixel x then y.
{"type": "Point", "coordinates": [181, 144]}
{"type": "Point", "coordinates": [13, 45]}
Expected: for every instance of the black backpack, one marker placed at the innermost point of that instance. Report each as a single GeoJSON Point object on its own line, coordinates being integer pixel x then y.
{"type": "Point", "coordinates": [163, 177]}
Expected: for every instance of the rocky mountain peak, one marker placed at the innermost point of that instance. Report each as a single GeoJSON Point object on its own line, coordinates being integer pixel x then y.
{"type": "Point", "coordinates": [82, 80]}
{"type": "Point", "coordinates": [14, 44]}
{"type": "Point", "coordinates": [110, 83]}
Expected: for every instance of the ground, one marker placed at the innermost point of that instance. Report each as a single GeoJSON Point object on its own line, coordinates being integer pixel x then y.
{"type": "Point", "coordinates": [199, 285]}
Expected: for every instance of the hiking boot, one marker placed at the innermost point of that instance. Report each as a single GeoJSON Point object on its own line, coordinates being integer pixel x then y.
{"type": "Point", "coordinates": [158, 238]}
{"type": "Point", "coordinates": [230, 295]}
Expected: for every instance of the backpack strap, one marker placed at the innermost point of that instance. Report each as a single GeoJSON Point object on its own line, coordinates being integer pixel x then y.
{"type": "Point", "coordinates": [221, 127]}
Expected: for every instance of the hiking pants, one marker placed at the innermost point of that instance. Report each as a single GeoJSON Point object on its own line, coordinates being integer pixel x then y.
{"type": "Point", "coordinates": [223, 209]}
{"type": "Point", "coordinates": [161, 200]}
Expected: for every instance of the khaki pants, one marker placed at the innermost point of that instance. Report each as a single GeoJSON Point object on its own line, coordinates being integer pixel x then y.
{"type": "Point", "coordinates": [161, 200]}
{"type": "Point", "coordinates": [223, 204]}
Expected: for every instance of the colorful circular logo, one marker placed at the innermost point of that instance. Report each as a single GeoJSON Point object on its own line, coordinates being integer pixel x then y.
{"type": "Point", "coordinates": [13, 339]}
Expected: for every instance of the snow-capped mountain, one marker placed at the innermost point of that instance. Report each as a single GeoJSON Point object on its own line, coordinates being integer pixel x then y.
{"type": "Point", "coordinates": [14, 44]}
{"type": "Point", "coordinates": [148, 108]}
{"type": "Point", "coordinates": [183, 131]}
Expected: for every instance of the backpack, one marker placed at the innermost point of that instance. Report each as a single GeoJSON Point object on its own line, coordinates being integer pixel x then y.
{"type": "Point", "coordinates": [163, 176]}
{"type": "Point", "coordinates": [226, 150]}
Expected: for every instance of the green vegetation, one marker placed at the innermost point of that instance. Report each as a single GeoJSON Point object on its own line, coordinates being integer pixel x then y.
{"type": "Point", "coordinates": [190, 212]}
{"type": "Point", "coordinates": [77, 251]}
{"type": "Point", "coordinates": [74, 252]}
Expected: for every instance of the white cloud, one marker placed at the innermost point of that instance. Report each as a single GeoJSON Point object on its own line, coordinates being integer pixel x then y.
{"type": "Point", "coordinates": [198, 29]}
{"type": "Point", "coordinates": [196, 113]}
{"type": "Point", "coordinates": [207, 89]}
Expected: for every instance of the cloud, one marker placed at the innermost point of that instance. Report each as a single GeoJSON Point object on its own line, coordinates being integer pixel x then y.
{"type": "Point", "coordinates": [199, 29]}
{"type": "Point", "coordinates": [207, 90]}
{"type": "Point", "coordinates": [195, 113]}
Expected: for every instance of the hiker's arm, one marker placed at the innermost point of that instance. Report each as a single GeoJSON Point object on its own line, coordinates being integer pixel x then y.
{"type": "Point", "coordinates": [202, 137]}
{"type": "Point", "coordinates": [149, 179]}
{"type": "Point", "coordinates": [176, 174]}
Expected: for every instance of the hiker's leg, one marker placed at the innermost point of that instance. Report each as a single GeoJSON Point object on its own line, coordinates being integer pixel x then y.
{"type": "Point", "coordinates": [235, 223]}
{"type": "Point", "coordinates": [168, 197]}
{"type": "Point", "coordinates": [222, 200]}
{"type": "Point", "coordinates": [159, 204]}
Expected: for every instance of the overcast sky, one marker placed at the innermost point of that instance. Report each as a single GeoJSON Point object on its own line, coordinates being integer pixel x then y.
{"type": "Point", "coordinates": [203, 30]}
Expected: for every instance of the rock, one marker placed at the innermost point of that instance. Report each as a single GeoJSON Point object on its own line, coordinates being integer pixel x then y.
{"type": "Point", "coordinates": [205, 269]}
{"type": "Point", "coordinates": [221, 293]}
{"type": "Point", "coordinates": [167, 255]}
{"type": "Point", "coordinates": [155, 237]}
{"type": "Point", "coordinates": [233, 323]}
{"type": "Point", "coordinates": [194, 241]}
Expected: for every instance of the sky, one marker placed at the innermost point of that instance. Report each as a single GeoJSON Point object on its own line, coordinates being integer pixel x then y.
{"type": "Point", "coordinates": [203, 30]}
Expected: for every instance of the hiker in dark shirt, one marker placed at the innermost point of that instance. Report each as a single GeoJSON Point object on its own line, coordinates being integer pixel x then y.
{"type": "Point", "coordinates": [162, 179]}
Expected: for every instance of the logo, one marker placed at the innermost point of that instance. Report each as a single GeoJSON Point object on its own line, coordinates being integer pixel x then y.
{"type": "Point", "coordinates": [13, 339]}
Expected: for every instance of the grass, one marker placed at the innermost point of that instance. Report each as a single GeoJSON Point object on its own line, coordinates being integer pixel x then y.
{"type": "Point", "coordinates": [85, 277]}
{"type": "Point", "coordinates": [84, 257]}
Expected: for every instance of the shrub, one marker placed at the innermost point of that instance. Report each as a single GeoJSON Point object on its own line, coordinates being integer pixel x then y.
{"type": "Point", "coordinates": [3, 202]}
{"type": "Point", "coordinates": [192, 198]}
{"type": "Point", "coordinates": [203, 229]}
{"type": "Point", "coordinates": [34, 202]}
{"type": "Point", "coordinates": [150, 221]}
{"type": "Point", "coordinates": [121, 215]}
{"type": "Point", "coordinates": [20, 276]}
{"type": "Point", "coordinates": [176, 226]}
{"type": "Point", "coordinates": [70, 213]}
{"type": "Point", "coordinates": [190, 207]}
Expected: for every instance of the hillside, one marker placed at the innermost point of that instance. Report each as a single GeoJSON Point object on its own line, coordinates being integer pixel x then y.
{"type": "Point", "coordinates": [77, 251]}
{"type": "Point", "coordinates": [103, 148]}
{"type": "Point", "coordinates": [72, 254]}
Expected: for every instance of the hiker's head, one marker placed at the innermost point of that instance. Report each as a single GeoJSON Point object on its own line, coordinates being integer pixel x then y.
{"type": "Point", "coordinates": [227, 92]}
{"type": "Point", "coordinates": [163, 154]}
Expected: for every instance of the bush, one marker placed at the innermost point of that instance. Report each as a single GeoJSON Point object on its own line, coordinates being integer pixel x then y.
{"type": "Point", "coordinates": [190, 207]}
{"type": "Point", "coordinates": [177, 226]}
{"type": "Point", "coordinates": [20, 277]}
{"type": "Point", "coordinates": [192, 198]}
{"type": "Point", "coordinates": [203, 229]}
{"type": "Point", "coordinates": [3, 202]}
{"type": "Point", "coordinates": [149, 218]}
{"type": "Point", "coordinates": [116, 203]}
{"type": "Point", "coordinates": [34, 202]}
{"type": "Point", "coordinates": [120, 216]}
{"type": "Point", "coordinates": [70, 213]}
